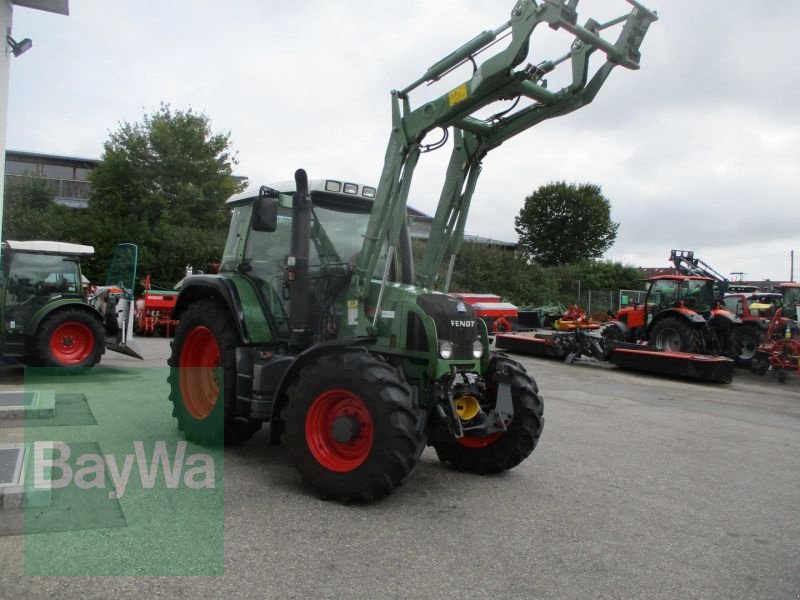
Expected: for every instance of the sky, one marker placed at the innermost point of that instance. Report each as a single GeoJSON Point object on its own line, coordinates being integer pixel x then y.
{"type": "Point", "coordinates": [697, 150]}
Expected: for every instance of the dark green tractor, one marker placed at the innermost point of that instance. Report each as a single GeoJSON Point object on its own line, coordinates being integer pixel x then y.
{"type": "Point", "coordinates": [45, 318]}
{"type": "Point", "coordinates": [319, 324]}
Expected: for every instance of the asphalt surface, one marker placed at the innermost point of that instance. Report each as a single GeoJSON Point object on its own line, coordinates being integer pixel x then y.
{"type": "Point", "coordinates": [641, 487]}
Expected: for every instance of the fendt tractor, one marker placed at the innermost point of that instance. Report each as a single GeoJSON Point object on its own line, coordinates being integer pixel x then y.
{"type": "Point", "coordinates": [318, 322]}
{"type": "Point", "coordinates": [682, 312]}
{"type": "Point", "coordinates": [45, 317]}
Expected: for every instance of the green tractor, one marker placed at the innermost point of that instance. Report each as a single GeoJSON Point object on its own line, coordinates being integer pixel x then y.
{"type": "Point", "coordinates": [46, 320]}
{"type": "Point", "coordinates": [318, 322]}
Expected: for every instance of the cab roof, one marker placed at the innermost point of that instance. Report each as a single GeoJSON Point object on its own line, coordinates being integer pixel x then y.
{"type": "Point", "coordinates": [338, 187]}
{"type": "Point", "coordinates": [44, 247]}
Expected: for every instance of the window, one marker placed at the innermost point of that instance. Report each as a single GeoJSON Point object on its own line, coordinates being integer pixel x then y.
{"type": "Point", "coordinates": [16, 167]}
{"type": "Point", "coordinates": [58, 172]}
{"type": "Point", "coordinates": [33, 279]}
{"type": "Point", "coordinates": [733, 304]}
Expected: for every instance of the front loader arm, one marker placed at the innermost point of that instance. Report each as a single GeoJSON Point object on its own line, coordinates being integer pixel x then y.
{"type": "Point", "coordinates": [495, 79]}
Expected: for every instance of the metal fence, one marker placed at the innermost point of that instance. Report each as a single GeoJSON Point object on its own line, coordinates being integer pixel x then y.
{"type": "Point", "coordinates": [604, 301]}
{"type": "Point", "coordinates": [630, 297]}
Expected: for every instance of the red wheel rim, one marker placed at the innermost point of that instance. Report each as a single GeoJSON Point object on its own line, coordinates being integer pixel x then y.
{"type": "Point", "coordinates": [329, 452]}
{"type": "Point", "coordinates": [199, 362]}
{"type": "Point", "coordinates": [72, 343]}
{"type": "Point", "coordinates": [478, 442]}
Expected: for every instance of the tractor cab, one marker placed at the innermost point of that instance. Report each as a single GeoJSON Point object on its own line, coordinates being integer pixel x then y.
{"type": "Point", "coordinates": [693, 293]}
{"type": "Point", "coordinates": [791, 300]}
{"type": "Point", "coordinates": [339, 214]}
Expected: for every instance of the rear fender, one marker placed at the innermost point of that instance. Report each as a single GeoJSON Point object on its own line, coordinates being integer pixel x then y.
{"type": "Point", "coordinates": [353, 344]}
{"type": "Point", "coordinates": [682, 313]}
{"type": "Point", "coordinates": [33, 325]}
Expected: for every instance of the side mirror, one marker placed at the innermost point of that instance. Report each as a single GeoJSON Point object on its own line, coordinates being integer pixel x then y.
{"type": "Point", "coordinates": [265, 210]}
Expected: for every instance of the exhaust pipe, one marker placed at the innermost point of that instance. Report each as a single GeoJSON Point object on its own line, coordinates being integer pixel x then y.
{"type": "Point", "coordinates": [297, 262]}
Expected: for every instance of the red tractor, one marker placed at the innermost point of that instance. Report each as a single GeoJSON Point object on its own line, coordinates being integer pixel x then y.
{"type": "Point", "coordinates": [756, 310]}
{"type": "Point", "coordinates": [680, 313]}
{"type": "Point", "coordinates": [779, 352]}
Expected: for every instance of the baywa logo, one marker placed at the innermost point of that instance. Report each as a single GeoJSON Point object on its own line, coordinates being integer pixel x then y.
{"type": "Point", "coordinates": [89, 471]}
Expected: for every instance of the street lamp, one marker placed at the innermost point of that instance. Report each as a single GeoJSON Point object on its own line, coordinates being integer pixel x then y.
{"type": "Point", "coordinates": [20, 47]}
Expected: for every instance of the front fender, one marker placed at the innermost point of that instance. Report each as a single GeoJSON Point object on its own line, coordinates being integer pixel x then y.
{"type": "Point", "coordinates": [721, 313]}
{"type": "Point", "coordinates": [723, 320]}
{"type": "Point", "coordinates": [216, 287]}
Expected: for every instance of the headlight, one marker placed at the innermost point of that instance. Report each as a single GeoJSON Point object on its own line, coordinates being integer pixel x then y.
{"type": "Point", "coordinates": [445, 349]}
{"type": "Point", "coordinates": [477, 349]}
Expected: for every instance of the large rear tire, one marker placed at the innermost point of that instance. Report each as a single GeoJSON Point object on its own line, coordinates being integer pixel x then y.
{"type": "Point", "coordinates": [500, 452]}
{"type": "Point", "coordinates": [673, 334]}
{"type": "Point", "coordinates": [352, 428]}
{"type": "Point", "coordinates": [69, 337]}
{"type": "Point", "coordinates": [203, 351]}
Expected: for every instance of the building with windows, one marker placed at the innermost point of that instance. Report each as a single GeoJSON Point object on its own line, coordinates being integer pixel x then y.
{"type": "Point", "coordinates": [66, 176]}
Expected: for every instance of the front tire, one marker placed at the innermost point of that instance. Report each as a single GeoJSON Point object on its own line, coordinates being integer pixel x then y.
{"type": "Point", "coordinates": [500, 452]}
{"type": "Point", "coordinates": [71, 338]}
{"type": "Point", "coordinates": [673, 334]}
{"type": "Point", "coordinates": [204, 349]}
{"type": "Point", "coordinates": [352, 429]}
{"type": "Point", "coordinates": [612, 333]}
{"type": "Point", "coordinates": [747, 344]}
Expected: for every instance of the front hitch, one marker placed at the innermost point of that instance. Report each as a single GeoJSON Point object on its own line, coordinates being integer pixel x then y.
{"type": "Point", "coordinates": [463, 412]}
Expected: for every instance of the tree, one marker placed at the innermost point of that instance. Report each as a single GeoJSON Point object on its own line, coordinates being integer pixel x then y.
{"type": "Point", "coordinates": [565, 223]}
{"type": "Point", "coordinates": [29, 212]}
{"type": "Point", "coordinates": [162, 184]}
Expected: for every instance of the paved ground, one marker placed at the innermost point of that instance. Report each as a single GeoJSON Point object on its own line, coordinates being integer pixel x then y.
{"type": "Point", "coordinates": [641, 487]}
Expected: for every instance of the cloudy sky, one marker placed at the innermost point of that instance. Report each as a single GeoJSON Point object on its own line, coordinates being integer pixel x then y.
{"type": "Point", "coordinates": [697, 150]}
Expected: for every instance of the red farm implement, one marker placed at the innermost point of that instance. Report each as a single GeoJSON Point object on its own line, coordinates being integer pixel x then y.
{"type": "Point", "coordinates": [779, 351]}
{"type": "Point", "coordinates": [154, 311]}
{"type": "Point", "coordinates": [499, 316]}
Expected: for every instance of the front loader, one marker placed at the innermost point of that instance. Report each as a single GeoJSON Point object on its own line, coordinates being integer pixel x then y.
{"type": "Point", "coordinates": [318, 323]}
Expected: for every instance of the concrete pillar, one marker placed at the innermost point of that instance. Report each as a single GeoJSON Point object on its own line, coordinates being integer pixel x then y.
{"type": "Point", "coordinates": [5, 64]}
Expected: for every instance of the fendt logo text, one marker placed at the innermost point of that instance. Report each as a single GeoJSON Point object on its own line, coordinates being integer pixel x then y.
{"type": "Point", "coordinates": [468, 324]}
